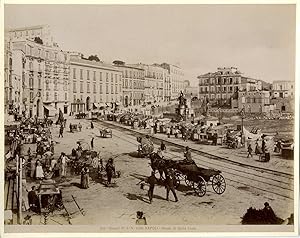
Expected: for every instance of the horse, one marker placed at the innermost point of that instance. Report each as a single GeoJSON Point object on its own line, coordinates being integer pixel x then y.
{"type": "Point", "coordinates": [160, 164]}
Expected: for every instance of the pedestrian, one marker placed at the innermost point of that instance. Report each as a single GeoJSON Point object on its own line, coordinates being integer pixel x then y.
{"type": "Point", "coordinates": [29, 152]}
{"type": "Point", "coordinates": [33, 200]}
{"type": "Point", "coordinates": [79, 126]}
{"type": "Point", "coordinates": [65, 122]}
{"type": "Point", "coordinates": [70, 128]}
{"type": "Point", "coordinates": [92, 125]}
{"type": "Point", "coordinates": [141, 220]}
{"type": "Point", "coordinates": [169, 183]}
{"type": "Point", "coordinates": [39, 174]}
{"type": "Point", "coordinates": [168, 131]}
{"type": "Point", "coordinates": [162, 146]}
{"type": "Point", "coordinates": [61, 131]}
{"type": "Point", "coordinates": [249, 151]}
{"type": "Point", "coordinates": [92, 143]}
{"type": "Point", "coordinates": [52, 147]}
{"type": "Point", "coordinates": [85, 177]}
{"type": "Point", "coordinates": [32, 167]}
{"type": "Point", "coordinates": [63, 160]}
{"type": "Point", "coordinates": [152, 180]}
{"type": "Point", "coordinates": [110, 170]}
{"type": "Point", "coordinates": [53, 164]}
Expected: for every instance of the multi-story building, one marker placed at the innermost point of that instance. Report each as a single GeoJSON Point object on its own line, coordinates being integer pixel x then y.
{"type": "Point", "coordinates": [253, 101]}
{"type": "Point", "coordinates": [221, 85]}
{"type": "Point", "coordinates": [155, 78]}
{"type": "Point", "coordinates": [283, 89]}
{"type": "Point", "coordinates": [176, 75]}
{"type": "Point", "coordinates": [133, 85]}
{"type": "Point", "coordinates": [22, 33]}
{"type": "Point", "coordinates": [44, 72]}
{"type": "Point", "coordinates": [93, 84]}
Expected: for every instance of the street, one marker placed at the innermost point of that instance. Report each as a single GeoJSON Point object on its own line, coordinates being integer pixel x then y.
{"type": "Point", "coordinates": [119, 204]}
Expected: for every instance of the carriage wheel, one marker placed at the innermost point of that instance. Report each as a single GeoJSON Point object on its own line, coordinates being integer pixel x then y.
{"type": "Point", "coordinates": [200, 187]}
{"type": "Point", "coordinates": [218, 184]}
{"type": "Point", "coordinates": [188, 182]}
{"type": "Point", "coordinates": [178, 177]}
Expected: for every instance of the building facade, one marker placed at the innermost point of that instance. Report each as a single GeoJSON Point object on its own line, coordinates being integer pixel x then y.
{"type": "Point", "coordinates": [221, 86]}
{"type": "Point", "coordinates": [44, 73]}
{"type": "Point", "coordinates": [253, 101]}
{"type": "Point", "coordinates": [176, 78]}
{"type": "Point", "coordinates": [93, 84]}
{"type": "Point", "coordinates": [155, 78]}
{"type": "Point", "coordinates": [283, 89]}
{"type": "Point", "coordinates": [29, 33]}
{"type": "Point", "coordinates": [133, 85]}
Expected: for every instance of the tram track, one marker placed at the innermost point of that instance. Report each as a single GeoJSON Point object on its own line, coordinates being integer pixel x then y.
{"type": "Point", "coordinates": [266, 180]}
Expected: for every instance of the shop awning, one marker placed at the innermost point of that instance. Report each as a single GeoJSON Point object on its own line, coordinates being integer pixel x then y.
{"type": "Point", "coordinates": [52, 110]}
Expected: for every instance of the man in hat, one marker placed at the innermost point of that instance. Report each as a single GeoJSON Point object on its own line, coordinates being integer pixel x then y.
{"type": "Point", "coordinates": [169, 183]}
{"type": "Point", "coordinates": [110, 170]}
{"type": "Point", "coordinates": [188, 155]}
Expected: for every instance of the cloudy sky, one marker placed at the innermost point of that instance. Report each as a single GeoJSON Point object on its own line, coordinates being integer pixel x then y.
{"type": "Point", "coordinates": [258, 39]}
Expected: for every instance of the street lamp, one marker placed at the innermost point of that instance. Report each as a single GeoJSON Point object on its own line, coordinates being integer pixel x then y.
{"type": "Point", "coordinates": [242, 113]}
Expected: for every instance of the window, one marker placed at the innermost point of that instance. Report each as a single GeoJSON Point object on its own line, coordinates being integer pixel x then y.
{"type": "Point", "coordinates": [100, 76]}
{"type": "Point", "coordinates": [39, 50]}
{"type": "Point", "coordinates": [116, 78]}
{"type": "Point", "coordinates": [31, 96]}
{"type": "Point", "coordinates": [88, 74]}
{"type": "Point", "coordinates": [66, 96]}
{"type": "Point", "coordinates": [55, 96]}
{"type": "Point", "coordinates": [81, 87]}
{"type": "Point", "coordinates": [120, 78]}
{"type": "Point", "coordinates": [116, 89]}
{"type": "Point", "coordinates": [81, 74]}
{"type": "Point", "coordinates": [74, 73]}
{"type": "Point", "coordinates": [30, 66]}
{"type": "Point", "coordinates": [106, 77]}
{"type": "Point", "coordinates": [40, 82]}
{"type": "Point", "coordinates": [74, 98]}
{"type": "Point", "coordinates": [74, 87]}
{"type": "Point", "coordinates": [112, 89]}
{"type": "Point", "coordinates": [94, 77]}
{"type": "Point", "coordinates": [107, 92]}
{"type": "Point", "coordinates": [100, 88]}
{"type": "Point", "coordinates": [112, 77]}
{"type": "Point", "coordinates": [88, 87]}
{"type": "Point", "coordinates": [47, 85]}
{"type": "Point", "coordinates": [47, 96]}
{"type": "Point", "coordinates": [30, 82]}
{"type": "Point", "coordinates": [55, 84]}
{"type": "Point", "coordinates": [120, 88]}
{"type": "Point", "coordinates": [94, 90]}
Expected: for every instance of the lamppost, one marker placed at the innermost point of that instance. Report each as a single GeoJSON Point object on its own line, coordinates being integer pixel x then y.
{"type": "Point", "coordinates": [242, 113]}
{"type": "Point", "coordinates": [219, 110]}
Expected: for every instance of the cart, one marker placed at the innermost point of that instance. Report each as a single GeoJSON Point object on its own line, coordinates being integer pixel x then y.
{"type": "Point", "coordinates": [105, 132]}
{"type": "Point", "coordinates": [199, 178]}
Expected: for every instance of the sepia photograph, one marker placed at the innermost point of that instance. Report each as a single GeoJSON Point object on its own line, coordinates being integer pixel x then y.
{"type": "Point", "coordinates": [147, 118]}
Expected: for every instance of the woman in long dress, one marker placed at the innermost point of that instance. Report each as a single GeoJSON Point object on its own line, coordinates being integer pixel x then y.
{"type": "Point", "coordinates": [39, 170]}
{"type": "Point", "coordinates": [85, 177]}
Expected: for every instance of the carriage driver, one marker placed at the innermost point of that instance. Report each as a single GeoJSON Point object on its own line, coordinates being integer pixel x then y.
{"type": "Point", "coordinates": [188, 155]}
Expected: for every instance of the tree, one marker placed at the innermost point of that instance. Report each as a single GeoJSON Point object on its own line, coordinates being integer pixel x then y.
{"type": "Point", "coordinates": [38, 40]}
{"type": "Point", "coordinates": [118, 62]}
{"type": "Point", "coordinates": [94, 58]}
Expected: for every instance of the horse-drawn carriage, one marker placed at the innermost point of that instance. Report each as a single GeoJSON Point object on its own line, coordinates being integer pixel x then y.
{"type": "Point", "coordinates": [146, 146]}
{"type": "Point", "coordinates": [199, 178]}
{"type": "Point", "coordinates": [105, 132]}
{"type": "Point", "coordinates": [195, 177]}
